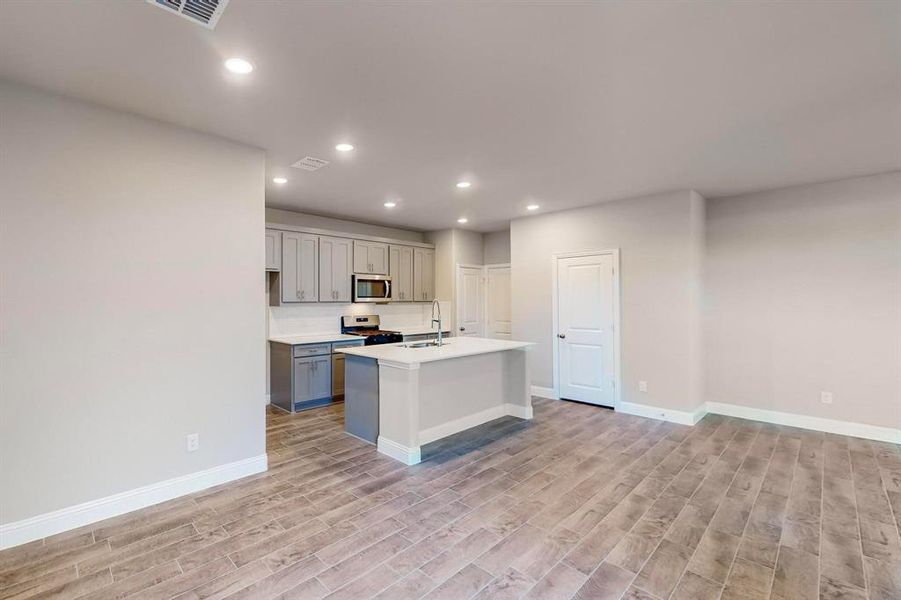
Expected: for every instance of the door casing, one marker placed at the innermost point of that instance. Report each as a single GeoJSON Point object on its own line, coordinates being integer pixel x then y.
{"type": "Point", "coordinates": [617, 325]}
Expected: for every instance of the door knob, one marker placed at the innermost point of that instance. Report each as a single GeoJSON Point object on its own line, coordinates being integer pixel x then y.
{"type": "Point", "coordinates": [561, 336]}
{"type": "Point", "coordinates": [462, 329]}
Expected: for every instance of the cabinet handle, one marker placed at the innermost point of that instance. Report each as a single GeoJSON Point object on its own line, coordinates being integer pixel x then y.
{"type": "Point", "coordinates": [297, 295]}
{"type": "Point", "coordinates": [302, 295]}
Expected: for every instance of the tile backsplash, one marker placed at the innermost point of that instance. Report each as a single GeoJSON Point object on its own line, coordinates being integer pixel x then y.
{"type": "Point", "coordinates": [326, 317]}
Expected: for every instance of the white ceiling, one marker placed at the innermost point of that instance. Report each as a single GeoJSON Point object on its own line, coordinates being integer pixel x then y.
{"type": "Point", "coordinates": [561, 104]}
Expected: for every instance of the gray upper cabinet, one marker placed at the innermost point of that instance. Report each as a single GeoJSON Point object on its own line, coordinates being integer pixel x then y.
{"type": "Point", "coordinates": [370, 257]}
{"type": "Point", "coordinates": [335, 269]}
{"type": "Point", "coordinates": [300, 267]}
{"type": "Point", "coordinates": [401, 271]}
{"type": "Point", "coordinates": [423, 274]}
{"type": "Point", "coordinates": [273, 250]}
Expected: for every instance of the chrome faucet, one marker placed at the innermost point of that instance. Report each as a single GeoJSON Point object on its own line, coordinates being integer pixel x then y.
{"type": "Point", "coordinates": [436, 304]}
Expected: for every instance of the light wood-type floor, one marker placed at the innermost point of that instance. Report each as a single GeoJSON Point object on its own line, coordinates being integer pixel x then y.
{"type": "Point", "coordinates": [581, 502]}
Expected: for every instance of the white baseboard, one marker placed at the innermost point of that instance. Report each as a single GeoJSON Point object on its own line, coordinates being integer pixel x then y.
{"type": "Point", "coordinates": [268, 398]}
{"type": "Point", "coordinates": [40, 526]}
{"type": "Point", "coordinates": [544, 392]}
{"type": "Point", "coordinates": [408, 456]}
{"type": "Point", "coordinates": [431, 434]}
{"type": "Point", "coordinates": [870, 432]}
{"type": "Point", "coordinates": [664, 414]}
{"type": "Point", "coordinates": [517, 410]}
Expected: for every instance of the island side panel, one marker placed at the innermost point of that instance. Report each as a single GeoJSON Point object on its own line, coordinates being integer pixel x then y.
{"type": "Point", "coordinates": [519, 384]}
{"type": "Point", "coordinates": [460, 393]}
{"type": "Point", "coordinates": [399, 405]}
{"type": "Point", "coordinates": [280, 373]}
{"type": "Point", "coordinates": [361, 397]}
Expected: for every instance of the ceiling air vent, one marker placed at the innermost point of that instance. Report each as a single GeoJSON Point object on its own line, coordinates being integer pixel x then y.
{"type": "Point", "coordinates": [310, 163]}
{"type": "Point", "coordinates": [204, 12]}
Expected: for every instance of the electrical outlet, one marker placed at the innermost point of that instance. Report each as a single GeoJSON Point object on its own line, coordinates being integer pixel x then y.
{"type": "Point", "coordinates": [192, 442]}
{"type": "Point", "coordinates": [826, 397]}
{"type": "Point", "coordinates": [642, 386]}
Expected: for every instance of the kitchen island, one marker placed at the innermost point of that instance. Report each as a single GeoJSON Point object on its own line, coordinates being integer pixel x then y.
{"type": "Point", "coordinates": [402, 397]}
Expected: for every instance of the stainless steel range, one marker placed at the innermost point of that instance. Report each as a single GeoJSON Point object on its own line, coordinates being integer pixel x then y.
{"type": "Point", "coordinates": [367, 327]}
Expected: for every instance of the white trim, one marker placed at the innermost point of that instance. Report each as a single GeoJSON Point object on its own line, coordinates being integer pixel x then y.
{"type": "Point", "coordinates": [408, 456]}
{"type": "Point", "coordinates": [431, 434]}
{"type": "Point", "coordinates": [41, 526]}
{"type": "Point", "coordinates": [544, 392]}
{"type": "Point", "coordinates": [861, 430]}
{"type": "Point", "coordinates": [268, 398]}
{"type": "Point", "coordinates": [664, 414]}
{"type": "Point", "coordinates": [617, 321]}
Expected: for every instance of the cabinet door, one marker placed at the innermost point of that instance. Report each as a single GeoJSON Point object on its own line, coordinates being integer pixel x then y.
{"type": "Point", "coordinates": [321, 383]}
{"type": "Point", "coordinates": [370, 258]}
{"type": "Point", "coordinates": [312, 378]}
{"type": "Point", "coordinates": [401, 270]}
{"type": "Point", "coordinates": [334, 269]}
{"type": "Point", "coordinates": [303, 379]}
{"type": "Point", "coordinates": [273, 250]}
{"type": "Point", "coordinates": [423, 274]}
{"type": "Point", "coordinates": [378, 258]}
{"type": "Point", "coordinates": [300, 266]}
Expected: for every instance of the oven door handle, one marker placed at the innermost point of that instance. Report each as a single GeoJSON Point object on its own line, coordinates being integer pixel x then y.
{"type": "Point", "coordinates": [388, 289]}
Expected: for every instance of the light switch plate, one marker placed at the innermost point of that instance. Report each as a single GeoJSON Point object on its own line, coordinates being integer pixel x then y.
{"type": "Point", "coordinates": [642, 386]}
{"type": "Point", "coordinates": [192, 442]}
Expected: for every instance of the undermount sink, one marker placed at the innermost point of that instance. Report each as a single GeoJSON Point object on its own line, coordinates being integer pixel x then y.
{"type": "Point", "coordinates": [430, 344]}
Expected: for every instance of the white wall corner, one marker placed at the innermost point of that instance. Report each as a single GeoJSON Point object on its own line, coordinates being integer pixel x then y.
{"type": "Point", "coordinates": [517, 410]}
{"type": "Point", "coordinates": [65, 519]}
{"type": "Point", "coordinates": [544, 392]}
{"type": "Point", "coordinates": [408, 456]}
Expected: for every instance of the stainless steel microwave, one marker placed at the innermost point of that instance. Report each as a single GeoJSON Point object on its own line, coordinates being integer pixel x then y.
{"type": "Point", "coordinates": [371, 288]}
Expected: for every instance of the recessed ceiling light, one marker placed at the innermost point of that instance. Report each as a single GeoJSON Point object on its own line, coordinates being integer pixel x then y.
{"type": "Point", "coordinates": [532, 207]}
{"type": "Point", "coordinates": [463, 184]}
{"type": "Point", "coordinates": [390, 204]}
{"type": "Point", "coordinates": [462, 220]}
{"type": "Point", "coordinates": [279, 180]}
{"type": "Point", "coordinates": [239, 65]}
{"type": "Point", "coordinates": [344, 147]}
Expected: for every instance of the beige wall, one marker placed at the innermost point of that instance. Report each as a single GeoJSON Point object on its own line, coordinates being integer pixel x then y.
{"type": "Point", "coordinates": [299, 219]}
{"type": "Point", "coordinates": [803, 295]}
{"type": "Point", "coordinates": [132, 302]}
{"type": "Point", "coordinates": [660, 238]}
{"type": "Point", "coordinates": [497, 247]}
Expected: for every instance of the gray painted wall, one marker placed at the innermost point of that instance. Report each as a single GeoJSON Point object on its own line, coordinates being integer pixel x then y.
{"type": "Point", "coordinates": [497, 247]}
{"type": "Point", "coordinates": [132, 261]}
{"type": "Point", "coordinates": [660, 238]}
{"type": "Point", "coordinates": [803, 295]}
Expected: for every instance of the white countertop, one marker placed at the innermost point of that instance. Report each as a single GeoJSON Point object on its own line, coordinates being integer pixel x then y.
{"type": "Point", "coordinates": [314, 338]}
{"type": "Point", "coordinates": [453, 348]}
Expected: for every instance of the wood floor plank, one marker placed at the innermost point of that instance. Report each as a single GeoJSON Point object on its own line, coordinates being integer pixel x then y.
{"type": "Point", "coordinates": [579, 502]}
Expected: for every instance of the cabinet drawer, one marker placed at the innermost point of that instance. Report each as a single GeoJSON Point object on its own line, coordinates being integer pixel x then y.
{"type": "Point", "coordinates": [312, 350]}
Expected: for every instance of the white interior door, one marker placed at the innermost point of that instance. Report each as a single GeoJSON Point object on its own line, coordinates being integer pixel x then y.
{"type": "Point", "coordinates": [470, 282]}
{"type": "Point", "coordinates": [585, 320]}
{"type": "Point", "coordinates": [497, 303]}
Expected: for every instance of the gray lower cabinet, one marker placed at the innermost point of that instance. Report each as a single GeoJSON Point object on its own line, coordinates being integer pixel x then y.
{"type": "Point", "coordinates": [305, 376]}
{"type": "Point", "coordinates": [312, 380]}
